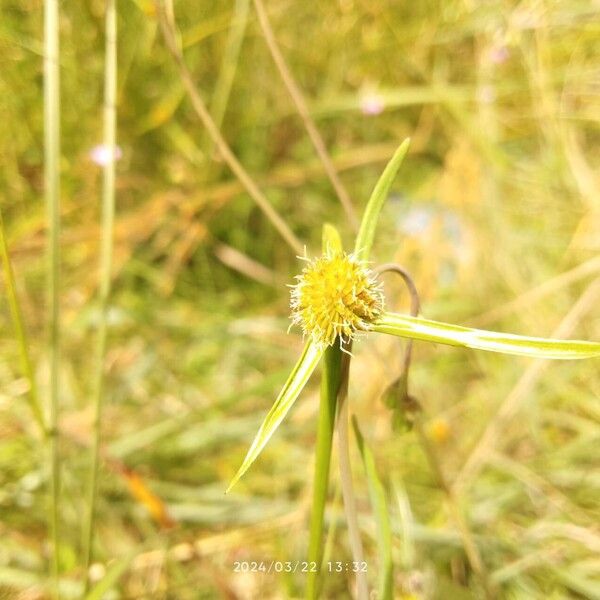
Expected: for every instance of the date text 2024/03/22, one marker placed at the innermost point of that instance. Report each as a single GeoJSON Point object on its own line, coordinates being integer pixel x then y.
{"type": "Point", "coordinates": [299, 566]}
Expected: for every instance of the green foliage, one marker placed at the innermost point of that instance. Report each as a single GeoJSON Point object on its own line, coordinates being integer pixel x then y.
{"type": "Point", "coordinates": [426, 330]}
{"type": "Point", "coordinates": [368, 224]}
{"type": "Point", "coordinates": [298, 378]}
{"type": "Point", "coordinates": [494, 212]}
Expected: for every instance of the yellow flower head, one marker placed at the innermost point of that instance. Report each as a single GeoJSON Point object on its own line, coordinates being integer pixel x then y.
{"type": "Point", "coordinates": [336, 295]}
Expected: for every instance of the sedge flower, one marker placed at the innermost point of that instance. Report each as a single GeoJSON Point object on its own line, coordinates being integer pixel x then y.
{"type": "Point", "coordinates": [337, 297]}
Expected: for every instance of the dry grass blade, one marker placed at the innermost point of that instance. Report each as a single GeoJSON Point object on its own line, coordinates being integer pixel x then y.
{"type": "Point", "coordinates": [242, 263]}
{"type": "Point", "coordinates": [589, 267]}
{"type": "Point", "coordinates": [301, 106]}
{"type": "Point", "coordinates": [170, 37]}
{"type": "Point", "coordinates": [17, 317]}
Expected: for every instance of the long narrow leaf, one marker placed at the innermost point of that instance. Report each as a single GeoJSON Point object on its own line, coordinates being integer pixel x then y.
{"type": "Point", "coordinates": [366, 233]}
{"type": "Point", "coordinates": [291, 390]}
{"type": "Point", "coordinates": [20, 334]}
{"type": "Point", "coordinates": [506, 343]}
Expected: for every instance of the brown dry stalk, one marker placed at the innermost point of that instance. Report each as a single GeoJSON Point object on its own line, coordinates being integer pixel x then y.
{"type": "Point", "coordinates": [166, 22]}
{"type": "Point", "coordinates": [589, 267]}
{"type": "Point", "coordinates": [302, 108]}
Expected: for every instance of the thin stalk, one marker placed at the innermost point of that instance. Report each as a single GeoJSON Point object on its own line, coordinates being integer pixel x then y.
{"type": "Point", "coordinates": [106, 251]}
{"type": "Point", "coordinates": [52, 197]}
{"type": "Point", "coordinates": [302, 108]}
{"type": "Point", "coordinates": [170, 37]}
{"type": "Point", "coordinates": [358, 556]}
{"type": "Point", "coordinates": [17, 317]}
{"type": "Point", "coordinates": [330, 385]}
{"type": "Point", "coordinates": [408, 403]}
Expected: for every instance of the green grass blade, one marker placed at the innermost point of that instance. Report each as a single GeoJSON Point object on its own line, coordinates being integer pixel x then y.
{"type": "Point", "coordinates": [588, 588]}
{"type": "Point", "coordinates": [291, 390]}
{"type": "Point", "coordinates": [382, 517]}
{"type": "Point", "coordinates": [17, 317]}
{"type": "Point", "coordinates": [366, 233]}
{"type": "Point", "coordinates": [505, 343]}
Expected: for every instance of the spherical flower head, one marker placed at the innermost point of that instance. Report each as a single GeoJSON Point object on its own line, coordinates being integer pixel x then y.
{"type": "Point", "coordinates": [336, 295]}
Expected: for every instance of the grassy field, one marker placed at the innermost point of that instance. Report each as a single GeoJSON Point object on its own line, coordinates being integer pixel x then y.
{"type": "Point", "coordinates": [495, 212]}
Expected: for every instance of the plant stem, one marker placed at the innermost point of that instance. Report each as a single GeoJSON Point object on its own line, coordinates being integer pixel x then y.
{"type": "Point", "coordinates": [106, 251]}
{"type": "Point", "coordinates": [330, 385]}
{"type": "Point", "coordinates": [52, 196]}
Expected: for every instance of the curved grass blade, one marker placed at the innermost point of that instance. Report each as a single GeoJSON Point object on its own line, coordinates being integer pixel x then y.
{"type": "Point", "coordinates": [366, 233]}
{"type": "Point", "coordinates": [291, 390]}
{"type": "Point", "coordinates": [505, 343]}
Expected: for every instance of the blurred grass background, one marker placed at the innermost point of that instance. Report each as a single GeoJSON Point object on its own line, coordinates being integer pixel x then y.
{"type": "Point", "coordinates": [494, 212]}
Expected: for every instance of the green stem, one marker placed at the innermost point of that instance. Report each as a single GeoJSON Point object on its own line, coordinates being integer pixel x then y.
{"type": "Point", "coordinates": [330, 385]}
{"type": "Point", "coordinates": [108, 212]}
{"type": "Point", "coordinates": [52, 196]}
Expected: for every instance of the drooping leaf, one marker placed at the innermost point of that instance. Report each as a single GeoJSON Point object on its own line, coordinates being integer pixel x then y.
{"type": "Point", "coordinates": [366, 233]}
{"type": "Point", "coordinates": [291, 390]}
{"type": "Point", "coordinates": [505, 343]}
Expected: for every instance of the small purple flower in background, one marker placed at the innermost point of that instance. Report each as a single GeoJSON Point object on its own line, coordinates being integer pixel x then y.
{"type": "Point", "coordinates": [499, 54]}
{"type": "Point", "coordinates": [371, 102]}
{"type": "Point", "coordinates": [101, 154]}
